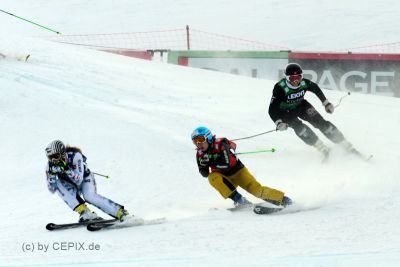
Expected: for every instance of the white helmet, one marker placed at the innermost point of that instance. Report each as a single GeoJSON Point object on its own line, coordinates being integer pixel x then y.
{"type": "Point", "coordinates": [55, 150]}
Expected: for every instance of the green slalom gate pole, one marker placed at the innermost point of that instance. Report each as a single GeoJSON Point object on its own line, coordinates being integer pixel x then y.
{"type": "Point", "coordinates": [272, 150]}
{"type": "Point", "coordinates": [34, 23]}
{"type": "Point", "coordinates": [102, 175]}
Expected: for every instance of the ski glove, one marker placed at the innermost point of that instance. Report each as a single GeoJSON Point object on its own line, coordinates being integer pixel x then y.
{"type": "Point", "coordinates": [207, 160]}
{"type": "Point", "coordinates": [204, 172]}
{"type": "Point", "coordinates": [328, 106]}
{"type": "Point", "coordinates": [281, 126]}
{"type": "Point", "coordinates": [204, 161]}
{"type": "Point", "coordinates": [58, 168]}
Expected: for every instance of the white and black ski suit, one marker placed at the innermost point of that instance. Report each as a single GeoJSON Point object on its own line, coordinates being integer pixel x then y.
{"type": "Point", "coordinates": [77, 185]}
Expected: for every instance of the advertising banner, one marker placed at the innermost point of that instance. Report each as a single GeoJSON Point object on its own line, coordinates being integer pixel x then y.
{"type": "Point", "coordinates": [363, 73]}
{"type": "Point", "coordinates": [253, 64]}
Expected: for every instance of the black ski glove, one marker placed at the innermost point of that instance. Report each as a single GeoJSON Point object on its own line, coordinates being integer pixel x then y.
{"type": "Point", "coordinates": [207, 160]}
{"type": "Point", "coordinates": [328, 106]}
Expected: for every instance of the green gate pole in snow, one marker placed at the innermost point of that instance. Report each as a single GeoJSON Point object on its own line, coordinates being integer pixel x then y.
{"type": "Point", "coordinates": [102, 175]}
{"type": "Point", "coordinates": [34, 23]}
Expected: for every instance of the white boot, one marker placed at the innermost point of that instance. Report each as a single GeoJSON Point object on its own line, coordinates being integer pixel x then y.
{"type": "Point", "coordinates": [122, 214]}
{"type": "Point", "coordinates": [322, 148]}
{"type": "Point", "coordinates": [88, 215]}
{"type": "Point", "coordinates": [243, 202]}
{"type": "Point", "coordinates": [347, 146]}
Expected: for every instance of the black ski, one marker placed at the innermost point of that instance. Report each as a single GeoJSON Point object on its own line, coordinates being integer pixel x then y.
{"type": "Point", "coordinates": [128, 222]}
{"type": "Point", "coordinates": [54, 226]}
{"type": "Point", "coordinates": [258, 208]}
{"type": "Point", "coordinates": [98, 226]}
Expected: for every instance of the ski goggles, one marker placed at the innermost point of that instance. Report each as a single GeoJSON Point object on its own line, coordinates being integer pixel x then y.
{"type": "Point", "coordinates": [55, 157]}
{"type": "Point", "coordinates": [294, 78]}
{"type": "Point", "coordinates": [199, 139]}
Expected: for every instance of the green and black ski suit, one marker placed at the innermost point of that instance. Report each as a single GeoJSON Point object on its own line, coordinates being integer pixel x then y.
{"type": "Point", "coordinates": [288, 105]}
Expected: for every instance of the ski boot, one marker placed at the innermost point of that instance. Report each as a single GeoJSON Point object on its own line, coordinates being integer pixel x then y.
{"type": "Point", "coordinates": [242, 203]}
{"type": "Point", "coordinates": [286, 201]}
{"type": "Point", "coordinates": [239, 201]}
{"type": "Point", "coordinates": [321, 147]}
{"type": "Point", "coordinates": [122, 214]}
{"type": "Point", "coordinates": [85, 214]}
{"type": "Point", "coordinates": [346, 145]}
{"type": "Point", "coordinates": [89, 216]}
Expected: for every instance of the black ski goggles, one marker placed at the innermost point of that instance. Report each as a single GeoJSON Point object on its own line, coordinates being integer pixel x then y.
{"type": "Point", "coordinates": [55, 157]}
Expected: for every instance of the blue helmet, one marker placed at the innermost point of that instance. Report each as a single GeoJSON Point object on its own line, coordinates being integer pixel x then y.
{"type": "Point", "coordinates": [201, 130]}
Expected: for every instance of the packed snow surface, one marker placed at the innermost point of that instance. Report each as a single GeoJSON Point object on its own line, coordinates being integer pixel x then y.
{"type": "Point", "coordinates": [133, 119]}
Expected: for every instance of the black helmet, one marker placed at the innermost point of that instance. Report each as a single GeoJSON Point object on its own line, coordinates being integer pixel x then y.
{"type": "Point", "coordinates": [293, 69]}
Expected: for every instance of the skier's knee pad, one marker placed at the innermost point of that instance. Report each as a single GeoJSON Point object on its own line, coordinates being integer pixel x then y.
{"type": "Point", "coordinates": [222, 184]}
{"type": "Point", "coordinates": [307, 135]}
{"type": "Point", "coordinates": [332, 133]}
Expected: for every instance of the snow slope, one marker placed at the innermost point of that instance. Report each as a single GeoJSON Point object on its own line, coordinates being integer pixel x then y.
{"type": "Point", "coordinates": [133, 120]}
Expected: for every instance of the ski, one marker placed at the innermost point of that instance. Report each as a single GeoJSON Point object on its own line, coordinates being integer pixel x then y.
{"type": "Point", "coordinates": [54, 226]}
{"type": "Point", "coordinates": [258, 208]}
{"type": "Point", "coordinates": [23, 58]}
{"type": "Point", "coordinates": [128, 222]}
{"type": "Point", "coordinates": [353, 151]}
{"type": "Point", "coordinates": [361, 155]}
{"type": "Point", "coordinates": [325, 158]}
{"type": "Point", "coordinates": [261, 210]}
{"type": "Point", "coordinates": [266, 208]}
{"type": "Point", "coordinates": [241, 207]}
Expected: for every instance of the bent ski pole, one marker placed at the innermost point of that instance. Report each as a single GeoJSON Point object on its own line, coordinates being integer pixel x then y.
{"type": "Point", "coordinates": [34, 23]}
{"type": "Point", "coordinates": [257, 151]}
{"type": "Point", "coordinates": [102, 175]}
{"type": "Point", "coordinates": [270, 131]}
{"type": "Point", "coordinates": [340, 100]}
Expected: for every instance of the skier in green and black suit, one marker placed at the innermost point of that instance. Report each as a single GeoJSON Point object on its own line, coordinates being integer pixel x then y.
{"type": "Point", "coordinates": [288, 106]}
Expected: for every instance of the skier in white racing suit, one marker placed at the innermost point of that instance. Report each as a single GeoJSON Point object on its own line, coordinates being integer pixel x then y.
{"type": "Point", "coordinates": [68, 175]}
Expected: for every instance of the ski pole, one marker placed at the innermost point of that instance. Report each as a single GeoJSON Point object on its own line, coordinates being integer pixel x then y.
{"type": "Point", "coordinates": [34, 23]}
{"type": "Point", "coordinates": [270, 131]}
{"type": "Point", "coordinates": [348, 93]}
{"type": "Point", "coordinates": [103, 175]}
{"type": "Point", "coordinates": [257, 151]}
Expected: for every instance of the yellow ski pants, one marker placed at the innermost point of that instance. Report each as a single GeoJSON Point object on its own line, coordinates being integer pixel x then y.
{"type": "Point", "coordinates": [226, 185]}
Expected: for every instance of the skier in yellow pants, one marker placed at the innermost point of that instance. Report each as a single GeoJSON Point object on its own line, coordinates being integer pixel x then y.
{"type": "Point", "coordinates": [228, 172]}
